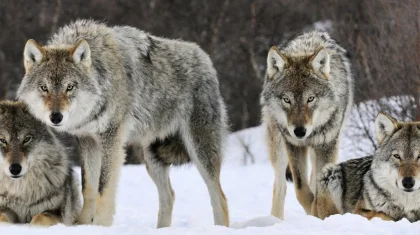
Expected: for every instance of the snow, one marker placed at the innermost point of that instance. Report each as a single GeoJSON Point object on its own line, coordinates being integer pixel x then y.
{"type": "Point", "coordinates": [248, 189]}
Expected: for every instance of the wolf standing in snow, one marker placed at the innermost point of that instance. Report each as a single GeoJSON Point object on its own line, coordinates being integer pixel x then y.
{"type": "Point", "coordinates": [113, 86]}
{"type": "Point", "coordinates": [307, 94]}
{"type": "Point", "coordinates": [386, 185]}
{"type": "Point", "coordinates": [37, 181]}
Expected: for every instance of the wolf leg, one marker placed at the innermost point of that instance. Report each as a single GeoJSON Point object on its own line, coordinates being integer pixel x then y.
{"type": "Point", "coordinates": [370, 214]}
{"type": "Point", "coordinates": [160, 176]}
{"type": "Point", "coordinates": [298, 165]}
{"type": "Point", "coordinates": [4, 218]}
{"type": "Point", "coordinates": [314, 174]}
{"type": "Point", "coordinates": [323, 206]}
{"type": "Point", "coordinates": [46, 219]}
{"type": "Point", "coordinates": [279, 161]}
{"type": "Point", "coordinates": [373, 214]}
{"type": "Point", "coordinates": [324, 154]}
{"type": "Point", "coordinates": [8, 216]}
{"type": "Point", "coordinates": [112, 160]}
{"type": "Point", "coordinates": [328, 197]}
{"type": "Point", "coordinates": [91, 168]}
{"type": "Point", "coordinates": [204, 148]}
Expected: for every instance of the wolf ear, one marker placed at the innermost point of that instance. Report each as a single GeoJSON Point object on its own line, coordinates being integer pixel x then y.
{"type": "Point", "coordinates": [384, 126]}
{"type": "Point", "coordinates": [81, 53]}
{"type": "Point", "coordinates": [275, 62]}
{"type": "Point", "coordinates": [33, 53]}
{"type": "Point", "coordinates": [320, 61]}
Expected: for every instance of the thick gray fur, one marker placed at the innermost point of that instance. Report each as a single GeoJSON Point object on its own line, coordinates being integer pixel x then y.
{"type": "Point", "coordinates": [308, 84]}
{"type": "Point", "coordinates": [48, 184]}
{"type": "Point", "coordinates": [377, 180]}
{"type": "Point", "coordinates": [132, 88]}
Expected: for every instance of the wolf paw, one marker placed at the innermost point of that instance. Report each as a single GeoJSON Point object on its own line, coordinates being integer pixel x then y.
{"type": "Point", "coordinates": [86, 217]}
{"type": "Point", "coordinates": [4, 219]}
{"type": "Point", "coordinates": [373, 214]}
{"type": "Point", "coordinates": [104, 216]}
{"type": "Point", "coordinates": [45, 220]}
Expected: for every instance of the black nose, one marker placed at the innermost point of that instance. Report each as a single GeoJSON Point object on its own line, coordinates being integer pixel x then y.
{"type": "Point", "coordinates": [408, 182]}
{"type": "Point", "coordinates": [300, 132]}
{"type": "Point", "coordinates": [56, 117]}
{"type": "Point", "coordinates": [15, 169]}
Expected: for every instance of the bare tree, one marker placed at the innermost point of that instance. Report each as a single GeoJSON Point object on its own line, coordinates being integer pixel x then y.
{"type": "Point", "coordinates": [383, 37]}
{"type": "Point", "coordinates": [247, 153]}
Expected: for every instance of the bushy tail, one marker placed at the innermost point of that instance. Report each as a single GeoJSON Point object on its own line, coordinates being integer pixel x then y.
{"type": "Point", "coordinates": [330, 181]}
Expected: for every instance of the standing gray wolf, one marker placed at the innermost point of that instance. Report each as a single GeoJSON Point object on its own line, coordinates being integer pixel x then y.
{"type": "Point", "coordinates": [113, 86]}
{"type": "Point", "coordinates": [386, 185]}
{"type": "Point", "coordinates": [37, 184]}
{"type": "Point", "coordinates": [307, 95]}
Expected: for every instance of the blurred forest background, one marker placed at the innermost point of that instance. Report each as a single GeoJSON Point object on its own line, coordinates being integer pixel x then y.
{"type": "Point", "coordinates": [383, 37]}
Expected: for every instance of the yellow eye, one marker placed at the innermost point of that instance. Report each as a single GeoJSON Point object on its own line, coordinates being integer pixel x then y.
{"type": "Point", "coordinates": [311, 98]}
{"type": "Point", "coordinates": [70, 87]}
{"type": "Point", "coordinates": [286, 100]}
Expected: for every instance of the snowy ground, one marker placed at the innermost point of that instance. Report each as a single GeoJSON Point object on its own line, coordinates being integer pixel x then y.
{"type": "Point", "coordinates": [248, 189]}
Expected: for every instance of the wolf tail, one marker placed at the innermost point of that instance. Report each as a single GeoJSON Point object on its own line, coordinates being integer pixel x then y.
{"type": "Point", "coordinates": [330, 181]}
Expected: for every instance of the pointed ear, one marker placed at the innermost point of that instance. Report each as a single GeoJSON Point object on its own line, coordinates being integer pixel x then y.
{"type": "Point", "coordinates": [320, 62]}
{"type": "Point", "coordinates": [33, 53]}
{"type": "Point", "coordinates": [81, 53]}
{"type": "Point", "coordinates": [384, 126]}
{"type": "Point", "coordinates": [275, 62]}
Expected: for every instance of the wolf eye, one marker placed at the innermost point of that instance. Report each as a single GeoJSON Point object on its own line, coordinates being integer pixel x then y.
{"type": "Point", "coordinates": [311, 98]}
{"type": "Point", "coordinates": [2, 140]}
{"type": "Point", "coordinates": [286, 100]}
{"type": "Point", "coordinates": [44, 88]}
{"type": "Point", "coordinates": [27, 139]}
{"type": "Point", "coordinates": [70, 87]}
{"type": "Point", "coordinates": [397, 156]}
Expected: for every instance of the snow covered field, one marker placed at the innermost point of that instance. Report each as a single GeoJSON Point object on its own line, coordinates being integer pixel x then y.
{"type": "Point", "coordinates": [248, 189]}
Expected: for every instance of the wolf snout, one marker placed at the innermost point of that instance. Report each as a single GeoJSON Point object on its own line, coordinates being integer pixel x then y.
{"type": "Point", "coordinates": [408, 183]}
{"type": "Point", "coordinates": [15, 169]}
{"type": "Point", "coordinates": [300, 132]}
{"type": "Point", "coordinates": [56, 117]}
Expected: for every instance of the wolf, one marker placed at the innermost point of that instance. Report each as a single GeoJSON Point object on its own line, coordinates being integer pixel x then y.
{"type": "Point", "coordinates": [118, 86]}
{"type": "Point", "coordinates": [37, 182]}
{"type": "Point", "coordinates": [385, 185]}
{"type": "Point", "coordinates": [306, 97]}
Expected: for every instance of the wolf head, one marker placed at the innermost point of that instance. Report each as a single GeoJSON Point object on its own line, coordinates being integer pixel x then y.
{"type": "Point", "coordinates": [298, 92]}
{"type": "Point", "coordinates": [20, 135]}
{"type": "Point", "coordinates": [52, 85]}
{"type": "Point", "coordinates": [397, 160]}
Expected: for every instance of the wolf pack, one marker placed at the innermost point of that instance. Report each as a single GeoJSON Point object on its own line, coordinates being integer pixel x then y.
{"type": "Point", "coordinates": [114, 86]}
